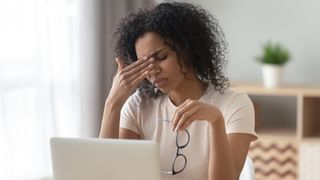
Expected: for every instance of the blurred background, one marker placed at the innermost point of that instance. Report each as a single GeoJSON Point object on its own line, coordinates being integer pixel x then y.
{"type": "Point", "coordinates": [56, 64]}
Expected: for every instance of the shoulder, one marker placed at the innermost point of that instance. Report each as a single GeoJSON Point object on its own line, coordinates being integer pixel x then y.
{"type": "Point", "coordinates": [135, 98]}
{"type": "Point", "coordinates": [229, 96]}
{"type": "Point", "coordinates": [236, 95]}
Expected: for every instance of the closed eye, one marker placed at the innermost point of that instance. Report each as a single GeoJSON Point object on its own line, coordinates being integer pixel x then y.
{"type": "Point", "coordinates": [158, 57]}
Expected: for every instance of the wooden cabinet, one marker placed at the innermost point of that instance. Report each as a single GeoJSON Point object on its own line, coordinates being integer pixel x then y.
{"type": "Point", "coordinates": [288, 126]}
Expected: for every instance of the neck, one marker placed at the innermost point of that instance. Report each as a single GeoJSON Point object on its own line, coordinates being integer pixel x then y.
{"type": "Point", "coordinates": [191, 89]}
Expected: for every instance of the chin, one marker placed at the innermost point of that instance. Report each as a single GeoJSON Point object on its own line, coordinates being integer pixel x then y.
{"type": "Point", "coordinates": [164, 90]}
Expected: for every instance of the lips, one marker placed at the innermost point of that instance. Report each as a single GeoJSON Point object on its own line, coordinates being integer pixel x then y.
{"type": "Point", "coordinates": [159, 82]}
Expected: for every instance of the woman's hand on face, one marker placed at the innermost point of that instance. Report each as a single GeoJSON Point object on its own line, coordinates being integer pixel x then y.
{"type": "Point", "coordinates": [192, 110]}
{"type": "Point", "coordinates": [128, 78]}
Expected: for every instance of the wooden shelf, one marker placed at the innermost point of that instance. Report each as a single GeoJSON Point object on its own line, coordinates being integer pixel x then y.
{"type": "Point", "coordinates": [313, 139]}
{"type": "Point", "coordinates": [287, 121]}
{"type": "Point", "coordinates": [286, 90]}
{"type": "Point", "coordinates": [307, 110]}
{"type": "Point", "coordinates": [277, 132]}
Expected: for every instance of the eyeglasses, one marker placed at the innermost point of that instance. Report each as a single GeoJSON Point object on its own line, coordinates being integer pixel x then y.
{"type": "Point", "coordinates": [179, 167]}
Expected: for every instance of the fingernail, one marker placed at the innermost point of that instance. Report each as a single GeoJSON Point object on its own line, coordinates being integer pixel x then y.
{"type": "Point", "coordinates": [176, 129]}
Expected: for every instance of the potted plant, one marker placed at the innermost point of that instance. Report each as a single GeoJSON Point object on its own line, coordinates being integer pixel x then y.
{"type": "Point", "coordinates": [273, 58]}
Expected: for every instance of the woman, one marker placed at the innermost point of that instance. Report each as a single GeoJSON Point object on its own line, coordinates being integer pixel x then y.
{"type": "Point", "coordinates": [174, 54]}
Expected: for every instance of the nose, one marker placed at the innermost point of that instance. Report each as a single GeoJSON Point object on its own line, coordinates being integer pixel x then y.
{"type": "Point", "coordinates": [156, 70]}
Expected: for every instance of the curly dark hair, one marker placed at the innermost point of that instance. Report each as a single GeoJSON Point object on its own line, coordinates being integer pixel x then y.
{"type": "Point", "coordinates": [188, 30]}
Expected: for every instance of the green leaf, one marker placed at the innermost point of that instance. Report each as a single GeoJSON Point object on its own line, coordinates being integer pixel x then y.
{"type": "Point", "coordinates": [273, 53]}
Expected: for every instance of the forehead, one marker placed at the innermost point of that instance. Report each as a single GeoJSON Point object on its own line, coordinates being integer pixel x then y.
{"type": "Point", "coordinates": [148, 43]}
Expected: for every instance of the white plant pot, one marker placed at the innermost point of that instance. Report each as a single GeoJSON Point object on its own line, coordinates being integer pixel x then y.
{"type": "Point", "coordinates": [272, 75]}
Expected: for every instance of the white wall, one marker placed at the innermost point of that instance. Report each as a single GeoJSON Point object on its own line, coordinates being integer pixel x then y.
{"type": "Point", "coordinates": [248, 23]}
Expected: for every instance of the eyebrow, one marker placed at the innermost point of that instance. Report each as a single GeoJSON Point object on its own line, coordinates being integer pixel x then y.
{"type": "Point", "coordinates": [154, 53]}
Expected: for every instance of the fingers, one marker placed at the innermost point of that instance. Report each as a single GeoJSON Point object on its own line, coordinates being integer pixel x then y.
{"type": "Point", "coordinates": [192, 110]}
{"type": "Point", "coordinates": [133, 78]}
{"type": "Point", "coordinates": [141, 68]}
{"type": "Point", "coordinates": [143, 72]}
{"type": "Point", "coordinates": [142, 61]}
{"type": "Point", "coordinates": [120, 64]}
{"type": "Point", "coordinates": [184, 112]}
{"type": "Point", "coordinates": [186, 119]}
{"type": "Point", "coordinates": [128, 77]}
{"type": "Point", "coordinates": [132, 75]}
{"type": "Point", "coordinates": [137, 68]}
{"type": "Point", "coordinates": [139, 79]}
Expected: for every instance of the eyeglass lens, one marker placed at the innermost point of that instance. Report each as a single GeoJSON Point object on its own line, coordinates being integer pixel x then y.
{"type": "Point", "coordinates": [182, 139]}
{"type": "Point", "coordinates": [180, 161]}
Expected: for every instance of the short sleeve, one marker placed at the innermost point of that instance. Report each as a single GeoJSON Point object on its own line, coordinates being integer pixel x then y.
{"type": "Point", "coordinates": [129, 113]}
{"type": "Point", "coordinates": [240, 115]}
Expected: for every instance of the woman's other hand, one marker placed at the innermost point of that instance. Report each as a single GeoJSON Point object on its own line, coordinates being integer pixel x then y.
{"type": "Point", "coordinates": [192, 110]}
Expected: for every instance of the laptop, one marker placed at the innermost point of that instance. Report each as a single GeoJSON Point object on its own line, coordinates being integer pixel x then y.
{"type": "Point", "coordinates": [104, 159]}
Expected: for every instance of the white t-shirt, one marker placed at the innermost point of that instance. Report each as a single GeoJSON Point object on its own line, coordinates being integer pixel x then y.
{"type": "Point", "coordinates": [150, 118]}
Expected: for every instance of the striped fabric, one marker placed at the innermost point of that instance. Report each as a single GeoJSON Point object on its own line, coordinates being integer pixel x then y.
{"type": "Point", "coordinates": [275, 158]}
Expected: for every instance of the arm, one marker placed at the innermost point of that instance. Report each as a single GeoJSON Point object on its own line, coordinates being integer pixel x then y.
{"type": "Point", "coordinates": [110, 120]}
{"type": "Point", "coordinates": [124, 83]}
{"type": "Point", "coordinates": [227, 152]}
{"type": "Point", "coordinates": [110, 124]}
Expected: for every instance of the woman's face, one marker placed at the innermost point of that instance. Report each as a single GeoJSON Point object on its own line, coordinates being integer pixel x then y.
{"type": "Point", "coordinates": [166, 74]}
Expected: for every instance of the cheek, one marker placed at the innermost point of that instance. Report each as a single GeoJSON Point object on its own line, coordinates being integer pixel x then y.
{"type": "Point", "coordinates": [174, 68]}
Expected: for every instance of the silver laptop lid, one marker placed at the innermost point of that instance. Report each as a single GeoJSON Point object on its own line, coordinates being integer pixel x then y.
{"type": "Point", "coordinates": [104, 159]}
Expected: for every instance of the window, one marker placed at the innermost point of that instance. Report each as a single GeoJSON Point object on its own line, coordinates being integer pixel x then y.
{"type": "Point", "coordinates": [39, 83]}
